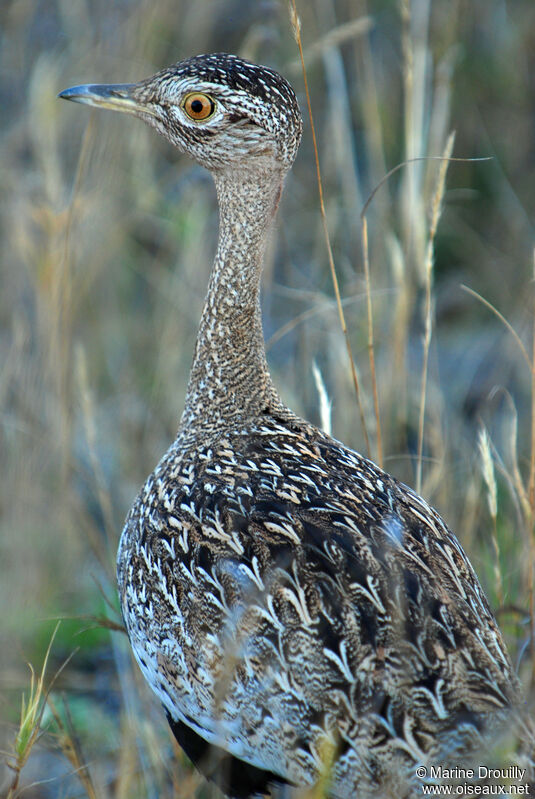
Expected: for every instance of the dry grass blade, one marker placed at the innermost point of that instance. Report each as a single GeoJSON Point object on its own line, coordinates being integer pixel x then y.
{"type": "Point", "coordinates": [412, 161]}
{"type": "Point", "coordinates": [71, 747]}
{"type": "Point", "coordinates": [487, 468]}
{"type": "Point", "coordinates": [320, 308]}
{"type": "Point", "coordinates": [502, 318]}
{"type": "Point", "coordinates": [436, 205]}
{"type": "Point", "coordinates": [517, 480]}
{"type": "Point", "coordinates": [103, 493]}
{"type": "Point", "coordinates": [523, 496]}
{"type": "Point", "coordinates": [99, 622]}
{"type": "Point", "coordinates": [296, 25]}
{"type": "Point", "coordinates": [31, 715]}
{"type": "Point", "coordinates": [526, 495]}
{"type": "Point", "coordinates": [325, 402]}
{"type": "Point", "coordinates": [520, 495]}
{"type": "Point", "coordinates": [65, 303]}
{"type": "Point", "coordinates": [328, 753]}
{"type": "Point", "coordinates": [435, 216]}
{"type": "Point", "coordinates": [91, 436]}
{"type": "Point", "coordinates": [371, 348]}
{"type": "Point", "coordinates": [334, 38]}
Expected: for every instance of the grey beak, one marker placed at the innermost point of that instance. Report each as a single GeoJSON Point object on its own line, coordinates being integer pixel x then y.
{"type": "Point", "coordinates": [116, 96]}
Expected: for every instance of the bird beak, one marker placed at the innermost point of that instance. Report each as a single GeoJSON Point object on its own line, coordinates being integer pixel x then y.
{"type": "Point", "coordinates": [117, 96]}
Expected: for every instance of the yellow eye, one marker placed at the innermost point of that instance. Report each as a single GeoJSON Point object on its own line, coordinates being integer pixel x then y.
{"type": "Point", "coordinates": [198, 106]}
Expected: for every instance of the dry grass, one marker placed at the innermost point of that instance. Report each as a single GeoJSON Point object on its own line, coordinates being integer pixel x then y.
{"type": "Point", "coordinates": [107, 239]}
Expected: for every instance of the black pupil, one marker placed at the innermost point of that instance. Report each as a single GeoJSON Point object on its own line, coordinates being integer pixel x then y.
{"type": "Point", "coordinates": [197, 106]}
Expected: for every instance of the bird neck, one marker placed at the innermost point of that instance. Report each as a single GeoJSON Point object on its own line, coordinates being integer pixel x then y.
{"type": "Point", "coordinates": [229, 380]}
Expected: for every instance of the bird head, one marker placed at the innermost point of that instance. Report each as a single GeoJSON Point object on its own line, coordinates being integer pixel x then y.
{"type": "Point", "coordinates": [221, 110]}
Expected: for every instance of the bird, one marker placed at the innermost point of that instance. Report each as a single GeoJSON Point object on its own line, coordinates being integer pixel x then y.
{"type": "Point", "coordinates": [304, 617]}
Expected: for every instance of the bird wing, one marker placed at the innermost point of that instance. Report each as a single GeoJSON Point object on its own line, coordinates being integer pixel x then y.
{"type": "Point", "coordinates": [299, 595]}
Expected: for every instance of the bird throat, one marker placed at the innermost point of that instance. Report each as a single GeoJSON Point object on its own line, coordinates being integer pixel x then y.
{"type": "Point", "coordinates": [229, 381]}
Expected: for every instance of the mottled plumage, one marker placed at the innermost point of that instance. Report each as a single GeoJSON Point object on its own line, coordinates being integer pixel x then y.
{"type": "Point", "coordinates": [291, 604]}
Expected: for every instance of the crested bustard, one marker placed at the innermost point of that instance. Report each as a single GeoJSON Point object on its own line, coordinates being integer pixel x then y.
{"type": "Point", "coordinates": [296, 609]}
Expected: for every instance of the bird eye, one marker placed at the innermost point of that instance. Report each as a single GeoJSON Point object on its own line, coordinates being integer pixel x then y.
{"type": "Point", "coordinates": [198, 106]}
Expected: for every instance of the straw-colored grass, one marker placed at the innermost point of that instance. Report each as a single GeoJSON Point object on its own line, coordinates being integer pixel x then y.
{"type": "Point", "coordinates": [107, 240]}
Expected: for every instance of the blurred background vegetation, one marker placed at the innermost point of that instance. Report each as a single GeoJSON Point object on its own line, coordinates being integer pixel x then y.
{"type": "Point", "coordinates": [107, 240]}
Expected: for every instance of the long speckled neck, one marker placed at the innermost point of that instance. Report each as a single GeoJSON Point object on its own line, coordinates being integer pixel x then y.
{"type": "Point", "coordinates": [229, 379]}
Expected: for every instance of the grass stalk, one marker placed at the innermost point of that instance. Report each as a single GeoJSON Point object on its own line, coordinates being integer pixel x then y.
{"type": "Point", "coordinates": [65, 307]}
{"type": "Point", "coordinates": [371, 349]}
{"type": "Point", "coordinates": [436, 205]}
{"type": "Point", "coordinates": [296, 26]}
{"type": "Point", "coordinates": [487, 467]}
{"type": "Point", "coordinates": [31, 715]}
{"type": "Point", "coordinates": [524, 489]}
{"type": "Point", "coordinates": [504, 321]}
{"type": "Point", "coordinates": [90, 429]}
{"type": "Point", "coordinates": [71, 747]}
